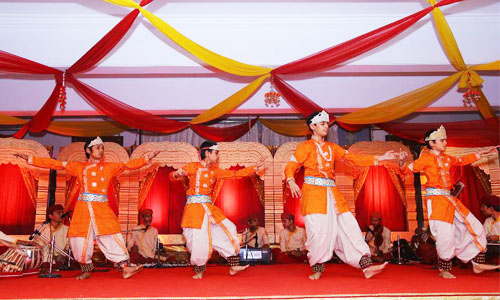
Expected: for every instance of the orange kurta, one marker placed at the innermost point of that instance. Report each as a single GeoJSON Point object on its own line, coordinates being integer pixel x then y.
{"type": "Point", "coordinates": [314, 198]}
{"type": "Point", "coordinates": [93, 179]}
{"type": "Point", "coordinates": [436, 168]}
{"type": "Point", "coordinates": [201, 182]}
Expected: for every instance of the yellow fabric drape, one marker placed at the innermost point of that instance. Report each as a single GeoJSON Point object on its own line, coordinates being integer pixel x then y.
{"type": "Point", "coordinates": [287, 127]}
{"type": "Point", "coordinates": [8, 120]}
{"type": "Point", "coordinates": [402, 105]}
{"type": "Point", "coordinates": [492, 66]}
{"type": "Point", "coordinates": [231, 103]}
{"type": "Point", "coordinates": [211, 58]}
{"type": "Point", "coordinates": [86, 128]}
{"type": "Point", "coordinates": [453, 53]}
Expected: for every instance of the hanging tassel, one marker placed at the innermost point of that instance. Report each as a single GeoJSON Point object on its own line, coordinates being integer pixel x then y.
{"type": "Point", "coordinates": [62, 94]}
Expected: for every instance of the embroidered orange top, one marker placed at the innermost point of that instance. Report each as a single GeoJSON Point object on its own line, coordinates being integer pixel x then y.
{"type": "Point", "coordinates": [436, 168]}
{"type": "Point", "coordinates": [319, 161]}
{"type": "Point", "coordinates": [201, 182]}
{"type": "Point", "coordinates": [92, 179]}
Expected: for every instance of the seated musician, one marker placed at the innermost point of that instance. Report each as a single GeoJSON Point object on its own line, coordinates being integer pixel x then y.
{"type": "Point", "coordinates": [292, 241]}
{"type": "Point", "coordinates": [424, 245]}
{"type": "Point", "coordinates": [60, 232]}
{"type": "Point", "coordinates": [491, 208]}
{"type": "Point", "coordinates": [378, 237]}
{"type": "Point", "coordinates": [255, 236]}
{"type": "Point", "coordinates": [142, 244]}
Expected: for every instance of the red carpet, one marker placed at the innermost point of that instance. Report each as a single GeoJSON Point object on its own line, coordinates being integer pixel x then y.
{"type": "Point", "coordinates": [277, 282]}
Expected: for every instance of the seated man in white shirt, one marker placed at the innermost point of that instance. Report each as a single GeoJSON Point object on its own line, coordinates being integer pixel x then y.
{"type": "Point", "coordinates": [255, 236]}
{"type": "Point", "coordinates": [491, 208]}
{"type": "Point", "coordinates": [378, 237]}
{"type": "Point", "coordinates": [60, 232]}
{"type": "Point", "coordinates": [142, 244]}
{"type": "Point", "coordinates": [292, 242]}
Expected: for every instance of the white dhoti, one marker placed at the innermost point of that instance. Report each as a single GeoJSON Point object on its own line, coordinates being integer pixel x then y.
{"type": "Point", "coordinates": [221, 237]}
{"type": "Point", "coordinates": [465, 238]}
{"type": "Point", "coordinates": [330, 232]}
{"type": "Point", "coordinates": [111, 245]}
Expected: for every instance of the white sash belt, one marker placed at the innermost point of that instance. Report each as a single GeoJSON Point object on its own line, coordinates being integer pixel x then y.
{"type": "Point", "coordinates": [88, 197]}
{"type": "Point", "coordinates": [319, 181]}
{"type": "Point", "coordinates": [437, 192]}
{"type": "Point", "coordinates": [198, 199]}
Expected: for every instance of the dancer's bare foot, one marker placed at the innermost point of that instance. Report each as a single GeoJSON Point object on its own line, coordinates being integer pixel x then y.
{"type": "Point", "coordinates": [374, 270]}
{"type": "Point", "coordinates": [130, 271]}
{"type": "Point", "coordinates": [198, 275]}
{"type": "Point", "coordinates": [315, 276]}
{"type": "Point", "coordinates": [446, 275]}
{"type": "Point", "coordinates": [480, 268]}
{"type": "Point", "coordinates": [84, 275]}
{"type": "Point", "coordinates": [236, 269]}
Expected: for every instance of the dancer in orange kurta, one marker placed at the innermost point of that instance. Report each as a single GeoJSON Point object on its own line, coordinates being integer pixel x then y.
{"type": "Point", "coordinates": [204, 225]}
{"type": "Point", "coordinates": [330, 226]}
{"type": "Point", "coordinates": [93, 219]}
{"type": "Point", "coordinates": [457, 231]}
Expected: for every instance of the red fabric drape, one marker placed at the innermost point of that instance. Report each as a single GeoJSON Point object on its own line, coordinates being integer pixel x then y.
{"type": "Point", "coordinates": [379, 194]}
{"type": "Point", "coordinates": [292, 205]}
{"type": "Point", "coordinates": [167, 199]}
{"type": "Point", "coordinates": [17, 210]}
{"type": "Point", "coordinates": [16, 64]}
{"type": "Point", "coordinates": [124, 113]}
{"type": "Point", "coordinates": [105, 45]}
{"type": "Point", "coordinates": [303, 104]}
{"type": "Point", "coordinates": [238, 199]}
{"type": "Point", "coordinates": [223, 134]}
{"type": "Point", "coordinates": [473, 191]}
{"type": "Point", "coordinates": [460, 134]}
{"type": "Point", "coordinates": [335, 55]}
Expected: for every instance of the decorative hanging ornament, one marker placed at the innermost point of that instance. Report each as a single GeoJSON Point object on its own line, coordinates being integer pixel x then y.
{"type": "Point", "coordinates": [62, 94]}
{"type": "Point", "coordinates": [272, 98]}
{"type": "Point", "coordinates": [471, 96]}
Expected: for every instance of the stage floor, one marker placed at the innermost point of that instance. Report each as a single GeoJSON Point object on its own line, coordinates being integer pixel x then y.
{"type": "Point", "coordinates": [258, 282]}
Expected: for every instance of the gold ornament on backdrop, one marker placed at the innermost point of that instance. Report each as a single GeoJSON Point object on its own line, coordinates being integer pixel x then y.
{"type": "Point", "coordinates": [62, 93]}
{"type": "Point", "coordinates": [471, 96]}
{"type": "Point", "coordinates": [272, 98]}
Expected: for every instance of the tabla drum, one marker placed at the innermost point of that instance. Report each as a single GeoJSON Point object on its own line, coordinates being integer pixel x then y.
{"type": "Point", "coordinates": [12, 262]}
{"type": "Point", "coordinates": [34, 258]}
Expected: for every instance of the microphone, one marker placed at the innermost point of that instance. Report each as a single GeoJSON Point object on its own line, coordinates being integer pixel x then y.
{"type": "Point", "coordinates": [37, 231]}
{"type": "Point", "coordinates": [66, 214]}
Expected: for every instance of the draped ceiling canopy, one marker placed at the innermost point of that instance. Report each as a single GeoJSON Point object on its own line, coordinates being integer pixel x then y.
{"type": "Point", "coordinates": [407, 31]}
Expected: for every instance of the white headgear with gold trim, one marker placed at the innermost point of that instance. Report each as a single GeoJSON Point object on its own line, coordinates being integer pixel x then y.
{"type": "Point", "coordinates": [440, 133]}
{"type": "Point", "coordinates": [213, 147]}
{"type": "Point", "coordinates": [321, 117]}
{"type": "Point", "coordinates": [96, 141]}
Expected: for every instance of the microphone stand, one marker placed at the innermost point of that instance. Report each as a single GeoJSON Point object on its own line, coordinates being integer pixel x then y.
{"type": "Point", "coordinates": [51, 261]}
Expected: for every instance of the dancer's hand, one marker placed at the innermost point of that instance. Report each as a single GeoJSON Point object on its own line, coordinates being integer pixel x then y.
{"type": "Point", "coordinates": [21, 155]}
{"type": "Point", "coordinates": [180, 173]}
{"type": "Point", "coordinates": [294, 188]}
{"type": "Point", "coordinates": [388, 155]}
{"type": "Point", "coordinates": [402, 157]}
{"type": "Point", "coordinates": [489, 150]}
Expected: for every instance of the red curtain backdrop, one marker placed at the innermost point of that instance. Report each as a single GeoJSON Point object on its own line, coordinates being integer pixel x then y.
{"type": "Point", "coordinates": [17, 212]}
{"type": "Point", "coordinates": [379, 194]}
{"type": "Point", "coordinates": [223, 134]}
{"type": "Point", "coordinates": [238, 199]}
{"type": "Point", "coordinates": [167, 199]}
{"type": "Point", "coordinates": [460, 134]}
{"type": "Point", "coordinates": [473, 190]}
{"type": "Point", "coordinates": [292, 205]}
